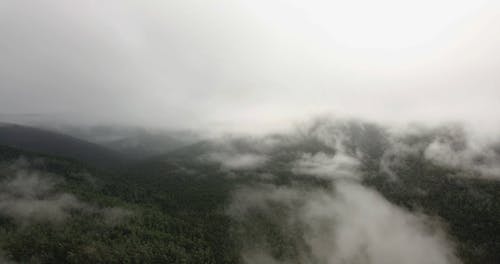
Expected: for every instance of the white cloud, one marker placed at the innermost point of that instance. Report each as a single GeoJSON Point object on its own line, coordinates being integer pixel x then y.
{"type": "Point", "coordinates": [32, 196]}
{"type": "Point", "coordinates": [481, 159]}
{"type": "Point", "coordinates": [238, 161]}
{"type": "Point", "coordinates": [29, 196]}
{"type": "Point", "coordinates": [352, 224]}
{"type": "Point", "coordinates": [366, 228]}
{"type": "Point", "coordinates": [335, 166]}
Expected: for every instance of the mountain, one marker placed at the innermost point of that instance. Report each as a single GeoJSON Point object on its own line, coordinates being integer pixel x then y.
{"type": "Point", "coordinates": [261, 200]}
{"type": "Point", "coordinates": [58, 210]}
{"type": "Point", "coordinates": [132, 142]}
{"type": "Point", "coordinates": [417, 172]}
{"type": "Point", "coordinates": [53, 143]}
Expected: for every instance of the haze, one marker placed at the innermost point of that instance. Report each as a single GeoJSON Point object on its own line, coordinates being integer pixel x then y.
{"type": "Point", "coordinates": [250, 65]}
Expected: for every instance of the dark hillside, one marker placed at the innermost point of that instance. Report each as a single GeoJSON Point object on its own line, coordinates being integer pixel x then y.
{"type": "Point", "coordinates": [47, 142]}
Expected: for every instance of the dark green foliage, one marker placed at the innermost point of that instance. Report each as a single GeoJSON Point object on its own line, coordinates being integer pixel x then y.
{"type": "Point", "coordinates": [174, 219]}
{"type": "Point", "coordinates": [469, 206]}
{"type": "Point", "coordinates": [178, 208]}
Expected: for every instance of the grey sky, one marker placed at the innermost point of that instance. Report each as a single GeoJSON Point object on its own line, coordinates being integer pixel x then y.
{"type": "Point", "coordinates": [255, 64]}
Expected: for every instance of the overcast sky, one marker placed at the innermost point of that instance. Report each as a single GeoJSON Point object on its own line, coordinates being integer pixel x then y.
{"type": "Point", "coordinates": [258, 64]}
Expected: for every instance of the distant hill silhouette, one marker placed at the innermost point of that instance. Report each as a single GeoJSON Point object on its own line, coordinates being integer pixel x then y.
{"type": "Point", "coordinates": [47, 142]}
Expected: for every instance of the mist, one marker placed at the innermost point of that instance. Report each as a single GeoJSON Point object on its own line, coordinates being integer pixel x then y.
{"type": "Point", "coordinates": [249, 66]}
{"type": "Point", "coordinates": [350, 224]}
{"type": "Point", "coordinates": [258, 131]}
{"type": "Point", "coordinates": [30, 196]}
{"type": "Point", "coordinates": [330, 213]}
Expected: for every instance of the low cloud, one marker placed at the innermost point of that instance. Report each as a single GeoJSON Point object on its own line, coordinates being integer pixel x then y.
{"type": "Point", "coordinates": [331, 149]}
{"type": "Point", "coordinates": [336, 166]}
{"type": "Point", "coordinates": [480, 159]}
{"type": "Point", "coordinates": [31, 196]}
{"type": "Point", "coordinates": [349, 224]}
{"type": "Point", "coordinates": [366, 228]}
{"type": "Point", "coordinates": [450, 146]}
{"type": "Point", "coordinates": [238, 161]}
{"type": "Point", "coordinates": [396, 153]}
{"type": "Point", "coordinates": [342, 221]}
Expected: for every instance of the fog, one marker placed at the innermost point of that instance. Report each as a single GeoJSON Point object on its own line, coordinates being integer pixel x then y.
{"type": "Point", "coordinates": [333, 149]}
{"type": "Point", "coordinates": [28, 196]}
{"type": "Point", "coordinates": [351, 224]}
{"type": "Point", "coordinates": [345, 221]}
{"type": "Point", "coordinates": [249, 65]}
{"type": "Point", "coordinates": [336, 95]}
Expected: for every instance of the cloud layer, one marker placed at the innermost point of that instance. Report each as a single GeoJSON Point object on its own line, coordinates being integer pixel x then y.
{"type": "Point", "coordinates": [249, 65]}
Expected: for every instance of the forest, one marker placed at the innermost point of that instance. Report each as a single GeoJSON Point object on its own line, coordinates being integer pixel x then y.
{"type": "Point", "coordinates": [198, 205]}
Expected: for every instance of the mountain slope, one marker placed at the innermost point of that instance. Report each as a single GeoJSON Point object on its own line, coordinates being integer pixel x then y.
{"type": "Point", "coordinates": [57, 210]}
{"type": "Point", "coordinates": [465, 204]}
{"type": "Point", "coordinates": [132, 142]}
{"type": "Point", "coordinates": [197, 205]}
{"type": "Point", "coordinates": [43, 141]}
